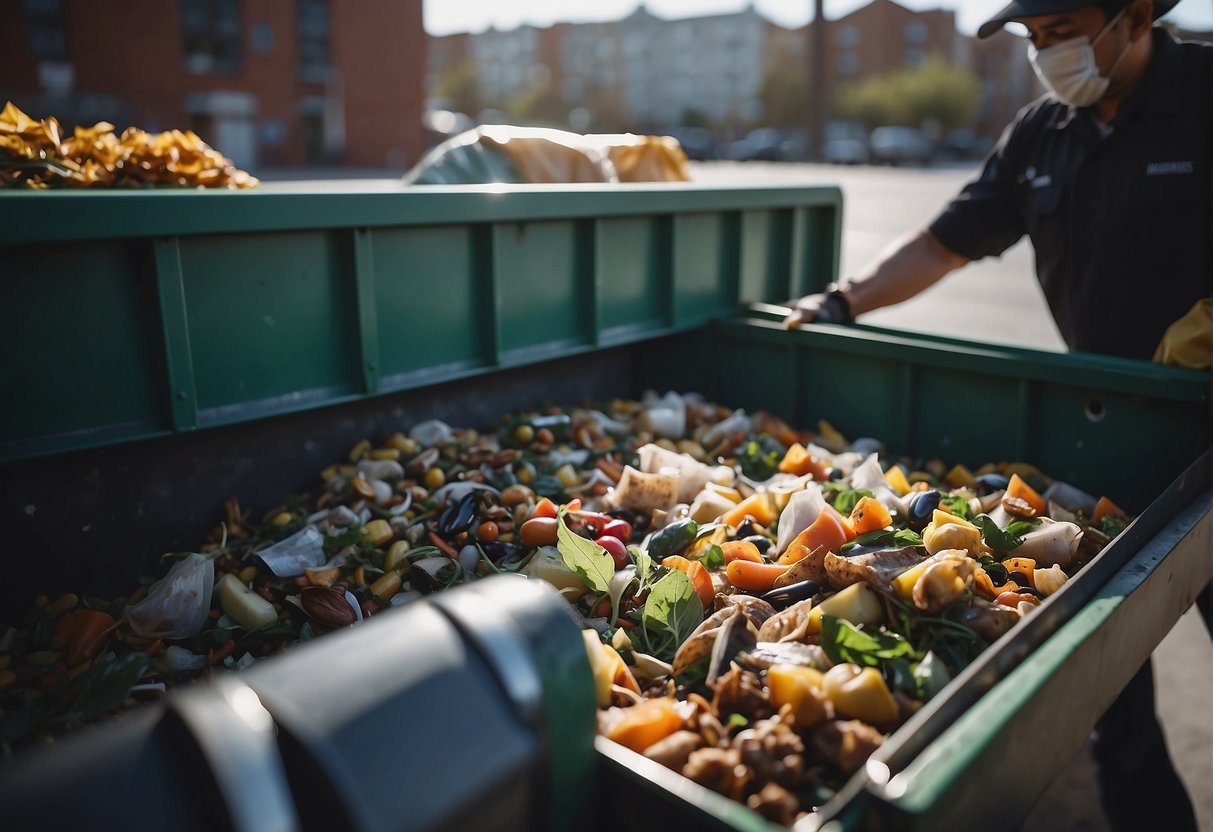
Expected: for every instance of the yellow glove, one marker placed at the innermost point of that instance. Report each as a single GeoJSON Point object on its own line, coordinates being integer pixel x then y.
{"type": "Point", "coordinates": [1189, 341]}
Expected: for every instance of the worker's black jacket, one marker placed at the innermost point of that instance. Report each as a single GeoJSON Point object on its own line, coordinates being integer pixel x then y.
{"type": "Point", "coordinates": [1121, 221]}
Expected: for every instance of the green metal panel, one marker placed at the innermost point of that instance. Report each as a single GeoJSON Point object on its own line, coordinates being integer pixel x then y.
{"type": "Point", "coordinates": [766, 255]}
{"type": "Point", "coordinates": [232, 306]}
{"type": "Point", "coordinates": [541, 288]}
{"type": "Point", "coordinates": [271, 321]}
{"type": "Point", "coordinates": [705, 265]}
{"type": "Point", "coordinates": [633, 263]}
{"type": "Point", "coordinates": [78, 345]}
{"type": "Point", "coordinates": [434, 303]}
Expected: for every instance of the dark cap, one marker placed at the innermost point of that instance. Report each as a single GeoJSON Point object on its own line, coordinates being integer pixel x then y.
{"type": "Point", "coordinates": [1030, 8]}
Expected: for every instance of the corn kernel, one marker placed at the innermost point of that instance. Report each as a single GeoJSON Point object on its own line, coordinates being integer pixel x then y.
{"type": "Point", "coordinates": [385, 453]}
{"type": "Point", "coordinates": [282, 518]}
{"type": "Point", "coordinates": [435, 478]}
{"type": "Point", "coordinates": [397, 555]}
{"type": "Point", "coordinates": [386, 586]}
{"type": "Point", "coordinates": [378, 532]}
{"type": "Point", "coordinates": [525, 475]}
{"type": "Point", "coordinates": [402, 443]}
{"type": "Point", "coordinates": [524, 434]}
{"type": "Point", "coordinates": [359, 450]}
{"type": "Point", "coordinates": [247, 574]}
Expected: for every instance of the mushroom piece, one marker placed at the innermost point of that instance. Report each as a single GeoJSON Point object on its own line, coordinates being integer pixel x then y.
{"type": "Point", "coordinates": [876, 569]}
{"type": "Point", "coordinates": [988, 620]}
{"type": "Point", "coordinates": [791, 625]}
{"type": "Point", "coordinates": [1051, 543]}
{"type": "Point", "coordinates": [943, 583]}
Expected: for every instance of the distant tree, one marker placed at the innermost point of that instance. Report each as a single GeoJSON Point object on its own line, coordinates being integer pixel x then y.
{"type": "Point", "coordinates": [460, 85]}
{"type": "Point", "coordinates": [539, 105]}
{"type": "Point", "coordinates": [694, 117]}
{"type": "Point", "coordinates": [784, 97]}
{"type": "Point", "coordinates": [933, 91]}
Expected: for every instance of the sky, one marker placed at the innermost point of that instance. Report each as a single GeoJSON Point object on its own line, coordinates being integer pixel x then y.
{"type": "Point", "coordinates": [443, 17]}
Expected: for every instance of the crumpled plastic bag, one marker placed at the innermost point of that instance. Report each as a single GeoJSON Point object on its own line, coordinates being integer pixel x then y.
{"type": "Point", "coordinates": [499, 153]}
{"type": "Point", "coordinates": [1189, 341]}
{"type": "Point", "coordinates": [177, 605]}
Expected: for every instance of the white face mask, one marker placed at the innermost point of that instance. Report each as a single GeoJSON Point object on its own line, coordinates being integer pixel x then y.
{"type": "Point", "coordinates": [1069, 71]}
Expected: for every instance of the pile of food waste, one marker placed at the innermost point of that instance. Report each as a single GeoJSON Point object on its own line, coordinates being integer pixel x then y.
{"type": "Point", "coordinates": [36, 153]}
{"type": "Point", "coordinates": [761, 605]}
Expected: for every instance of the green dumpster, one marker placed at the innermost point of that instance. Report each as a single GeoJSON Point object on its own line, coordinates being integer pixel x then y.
{"type": "Point", "coordinates": [159, 348]}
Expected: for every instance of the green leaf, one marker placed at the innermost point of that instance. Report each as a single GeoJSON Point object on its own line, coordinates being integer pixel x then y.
{"type": "Point", "coordinates": [713, 558]}
{"type": "Point", "coordinates": [592, 563]}
{"type": "Point", "coordinates": [885, 537]}
{"type": "Point", "coordinates": [336, 543]}
{"type": "Point", "coordinates": [846, 500]}
{"type": "Point", "coordinates": [997, 539]}
{"type": "Point", "coordinates": [844, 642]}
{"type": "Point", "coordinates": [736, 721]}
{"type": "Point", "coordinates": [957, 505]}
{"type": "Point", "coordinates": [671, 612]}
{"type": "Point", "coordinates": [996, 571]}
{"type": "Point", "coordinates": [102, 688]}
{"type": "Point", "coordinates": [644, 569]}
{"type": "Point", "coordinates": [620, 582]}
{"type": "Point", "coordinates": [759, 458]}
{"type": "Point", "coordinates": [1112, 524]}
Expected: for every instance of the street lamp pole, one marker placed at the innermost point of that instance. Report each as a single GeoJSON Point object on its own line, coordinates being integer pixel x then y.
{"type": "Point", "coordinates": [817, 82]}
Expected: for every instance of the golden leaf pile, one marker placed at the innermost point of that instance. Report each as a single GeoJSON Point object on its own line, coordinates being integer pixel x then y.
{"type": "Point", "coordinates": [36, 154]}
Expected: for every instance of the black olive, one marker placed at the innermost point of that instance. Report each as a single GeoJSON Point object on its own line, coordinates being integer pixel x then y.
{"type": "Point", "coordinates": [987, 483]}
{"type": "Point", "coordinates": [834, 474]}
{"type": "Point", "coordinates": [1019, 578]}
{"type": "Point", "coordinates": [785, 596]}
{"type": "Point", "coordinates": [502, 553]}
{"type": "Point", "coordinates": [761, 541]}
{"type": "Point", "coordinates": [458, 517]}
{"type": "Point", "coordinates": [920, 508]}
{"type": "Point", "coordinates": [746, 529]}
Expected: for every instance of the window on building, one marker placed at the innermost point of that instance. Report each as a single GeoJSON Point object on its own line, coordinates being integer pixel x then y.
{"type": "Point", "coordinates": [262, 38]}
{"type": "Point", "coordinates": [913, 57]}
{"type": "Point", "coordinates": [915, 31]}
{"type": "Point", "coordinates": [848, 63]}
{"type": "Point", "coordinates": [313, 25]}
{"type": "Point", "coordinates": [212, 34]}
{"type": "Point", "coordinates": [45, 21]}
{"type": "Point", "coordinates": [848, 36]}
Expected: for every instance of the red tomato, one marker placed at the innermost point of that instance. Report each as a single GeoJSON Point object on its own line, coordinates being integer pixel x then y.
{"type": "Point", "coordinates": [621, 529]}
{"type": "Point", "coordinates": [616, 548]}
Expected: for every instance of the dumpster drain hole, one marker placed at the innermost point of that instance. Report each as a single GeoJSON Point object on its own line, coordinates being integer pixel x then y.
{"type": "Point", "coordinates": [1095, 410]}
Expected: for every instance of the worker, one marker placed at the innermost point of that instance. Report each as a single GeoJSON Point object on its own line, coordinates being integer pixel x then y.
{"type": "Point", "coordinates": [1110, 174]}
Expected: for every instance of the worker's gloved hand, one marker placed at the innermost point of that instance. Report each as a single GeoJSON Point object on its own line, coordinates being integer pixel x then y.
{"type": "Point", "coordinates": [829, 307]}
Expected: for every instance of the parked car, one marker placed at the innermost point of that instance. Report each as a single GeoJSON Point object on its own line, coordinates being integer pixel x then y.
{"type": "Point", "coordinates": [900, 146]}
{"type": "Point", "coordinates": [697, 143]}
{"type": "Point", "coordinates": [766, 144]}
{"type": "Point", "coordinates": [845, 151]}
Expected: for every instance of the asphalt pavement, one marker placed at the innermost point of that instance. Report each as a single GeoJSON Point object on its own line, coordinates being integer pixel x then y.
{"type": "Point", "coordinates": [999, 300]}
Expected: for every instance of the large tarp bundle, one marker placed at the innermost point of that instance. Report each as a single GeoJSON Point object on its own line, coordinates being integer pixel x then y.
{"type": "Point", "coordinates": [506, 154]}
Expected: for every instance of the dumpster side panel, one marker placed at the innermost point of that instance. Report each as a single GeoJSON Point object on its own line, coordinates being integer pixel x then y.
{"type": "Point", "coordinates": [81, 315]}
{"type": "Point", "coordinates": [433, 307]}
{"type": "Point", "coordinates": [270, 321]}
{"type": "Point", "coordinates": [631, 268]}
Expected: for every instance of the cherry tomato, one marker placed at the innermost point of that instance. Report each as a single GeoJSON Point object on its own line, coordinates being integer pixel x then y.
{"type": "Point", "coordinates": [616, 548]}
{"type": "Point", "coordinates": [614, 527]}
{"type": "Point", "coordinates": [539, 531]}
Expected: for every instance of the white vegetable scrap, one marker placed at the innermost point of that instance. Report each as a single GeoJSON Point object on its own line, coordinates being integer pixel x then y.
{"type": "Point", "coordinates": [289, 558]}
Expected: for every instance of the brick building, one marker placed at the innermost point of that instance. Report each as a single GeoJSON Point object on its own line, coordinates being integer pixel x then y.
{"type": "Point", "coordinates": [272, 82]}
